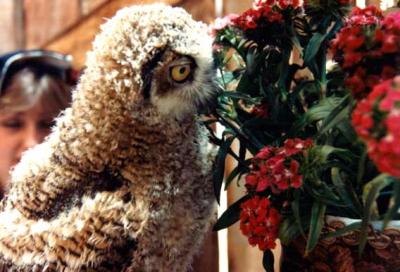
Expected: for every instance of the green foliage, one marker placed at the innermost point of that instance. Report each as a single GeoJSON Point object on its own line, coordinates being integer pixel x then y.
{"type": "Point", "coordinates": [302, 100]}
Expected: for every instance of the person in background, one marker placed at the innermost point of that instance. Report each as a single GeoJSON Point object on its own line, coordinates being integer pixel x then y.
{"type": "Point", "coordinates": [35, 85]}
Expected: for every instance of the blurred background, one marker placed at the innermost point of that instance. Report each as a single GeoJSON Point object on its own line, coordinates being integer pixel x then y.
{"type": "Point", "coordinates": [69, 26]}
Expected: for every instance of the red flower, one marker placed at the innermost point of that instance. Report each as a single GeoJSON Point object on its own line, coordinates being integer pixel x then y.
{"type": "Point", "coordinates": [283, 4]}
{"type": "Point", "coordinates": [260, 110]}
{"type": "Point", "coordinates": [376, 120]}
{"type": "Point", "coordinates": [366, 49]}
{"type": "Point", "coordinates": [260, 222]}
{"type": "Point", "coordinates": [277, 168]}
{"type": "Point", "coordinates": [367, 16]}
{"type": "Point", "coordinates": [262, 13]}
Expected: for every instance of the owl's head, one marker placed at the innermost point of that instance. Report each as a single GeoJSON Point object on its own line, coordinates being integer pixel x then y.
{"type": "Point", "coordinates": [157, 59]}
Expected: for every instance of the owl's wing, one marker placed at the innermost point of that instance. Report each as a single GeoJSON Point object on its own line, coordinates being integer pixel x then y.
{"type": "Point", "coordinates": [42, 181]}
{"type": "Point", "coordinates": [101, 230]}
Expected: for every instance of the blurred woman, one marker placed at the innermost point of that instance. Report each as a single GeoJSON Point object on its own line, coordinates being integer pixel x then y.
{"type": "Point", "coordinates": [35, 85]}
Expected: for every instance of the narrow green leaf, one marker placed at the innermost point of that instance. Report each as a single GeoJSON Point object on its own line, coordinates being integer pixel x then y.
{"type": "Point", "coordinates": [370, 193]}
{"type": "Point", "coordinates": [313, 47]}
{"type": "Point", "coordinates": [239, 169]}
{"type": "Point", "coordinates": [231, 215]}
{"type": "Point", "coordinates": [289, 230]}
{"type": "Point", "coordinates": [296, 211]}
{"type": "Point", "coordinates": [316, 113]}
{"type": "Point", "coordinates": [218, 175]}
{"type": "Point", "coordinates": [337, 115]}
{"type": "Point", "coordinates": [394, 208]}
{"type": "Point", "coordinates": [316, 224]}
{"type": "Point", "coordinates": [361, 166]}
{"type": "Point", "coordinates": [346, 192]}
{"type": "Point", "coordinates": [268, 261]}
{"type": "Point", "coordinates": [347, 131]}
{"type": "Point", "coordinates": [343, 231]}
{"type": "Point", "coordinates": [250, 60]}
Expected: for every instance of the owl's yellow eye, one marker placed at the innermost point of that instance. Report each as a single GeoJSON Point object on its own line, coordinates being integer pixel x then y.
{"type": "Point", "coordinates": [180, 73]}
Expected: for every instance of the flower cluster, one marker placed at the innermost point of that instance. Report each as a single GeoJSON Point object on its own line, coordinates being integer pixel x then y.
{"type": "Point", "coordinates": [283, 4]}
{"type": "Point", "coordinates": [376, 120]}
{"type": "Point", "coordinates": [366, 49]}
{"type": "Point", "coordinates": [266, 17]}
{"type": "Point", "coordinates": [252, 18]}
{"type": "Point", "coordinates": [260, 222]}
{"type": "Point", "coordinates": [277, 168]}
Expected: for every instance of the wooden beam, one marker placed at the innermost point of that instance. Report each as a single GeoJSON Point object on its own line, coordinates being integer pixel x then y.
{"type": "Point", "coordinates": [77, 40]}
{"type": "Point", "coordinates": [11, 21]}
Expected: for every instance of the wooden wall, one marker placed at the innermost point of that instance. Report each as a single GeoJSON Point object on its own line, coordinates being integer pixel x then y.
{"type": "Point", "coordinates": [69, 26]}
{"type": "Point", "coordinates": [31, 23]}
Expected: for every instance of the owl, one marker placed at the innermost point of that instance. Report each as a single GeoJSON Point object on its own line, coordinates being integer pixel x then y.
{"type": "Point", "coordinates": [123, 182]}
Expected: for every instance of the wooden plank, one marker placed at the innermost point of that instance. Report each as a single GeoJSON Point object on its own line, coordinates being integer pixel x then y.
{"type": "Point", "coordinates": [87, 6]}
{"type": "Point", "coordinates": [234, 6]}
{"type": "Point", "coordinates": [11, 29]}
{"type": "Point", "coordinates": [78, 39]}
{"type": "Point", "coordinates": [45, 19]}
{"type": "Point", "coordinates": [203, 10]}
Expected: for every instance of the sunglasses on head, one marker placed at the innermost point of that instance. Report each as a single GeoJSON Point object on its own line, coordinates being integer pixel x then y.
{"type": "Point", "coordinates": [41, 61]}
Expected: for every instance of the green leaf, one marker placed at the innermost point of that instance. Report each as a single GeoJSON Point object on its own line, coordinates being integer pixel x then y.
{"type": "Point", "coordinates": [289, 230]}
{"type": "Point", "coordinates": [370, 193]}
{"type": "Point", "coordinates": [296, 211]}
{"type": "Point", "coordinates": [239, 169]}
{"type": "Point", "coordinates": [218, 175]}
{"type": "Point", "coordinates": [231, 215]}
{"type": "Point", "coordinates": [313, 47]}
{"type": "Point", "coordinates": [394, 208]}
{"type": "Point", "coordinates": [316, 224]}
{"type": "Point", "coordinates": [268, 261]}
{"type": "Point", "coordinates": [343, 231]}
{"type": "Point", "coordinates": [346, 192]}
{"type": "Point", "coordinates": [251, 59]}
{"type": "Point", "coordinates": [316, 113]}
{"type": "Point", "coordinates": [336, 116]}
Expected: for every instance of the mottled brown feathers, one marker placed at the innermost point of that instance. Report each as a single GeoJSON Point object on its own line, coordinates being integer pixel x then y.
{"type": "Point", "coordinates": [123, 183]}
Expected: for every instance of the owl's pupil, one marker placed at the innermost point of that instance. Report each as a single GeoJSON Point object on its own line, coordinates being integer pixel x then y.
{"type": "Point", "coordinates": [182, 70]}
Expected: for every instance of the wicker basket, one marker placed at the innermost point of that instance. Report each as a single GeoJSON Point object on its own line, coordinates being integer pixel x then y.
{"type": "Point", "coordinates": [381, 254]}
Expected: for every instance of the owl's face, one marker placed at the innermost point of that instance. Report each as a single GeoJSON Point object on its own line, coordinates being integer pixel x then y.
{"type": "Point", "coordinates": [157, 60]}
{"type": "Point", "coordinates": [177, 85]}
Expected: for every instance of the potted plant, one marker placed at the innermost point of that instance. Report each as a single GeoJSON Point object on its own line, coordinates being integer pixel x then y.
{"type": "Point", "coordinates": [310, 93]}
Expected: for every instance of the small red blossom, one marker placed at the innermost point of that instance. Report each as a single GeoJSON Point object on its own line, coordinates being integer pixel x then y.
{"type": "Point", "coordinates": [278, 168]}
{"type": "Point", "coordinates": [253, 18]}
{"type": "Point", "coordinates": [366, 16]}
{"type": "Point", "coordinates": [376, 119]}
{"type": "Point", "coordinates": [366, 39]}
{"type": "Point", "coordinates": [260, 110]}
{"type": "Point", "coordinates": [259, 221]}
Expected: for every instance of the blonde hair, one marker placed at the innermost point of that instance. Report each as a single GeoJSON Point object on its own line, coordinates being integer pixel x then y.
{"type": "Point", "coordinates": [30, 86]}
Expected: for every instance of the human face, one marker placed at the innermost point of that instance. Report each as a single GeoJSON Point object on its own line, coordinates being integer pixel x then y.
{"type": "Point", "coordinates": [18, 132]}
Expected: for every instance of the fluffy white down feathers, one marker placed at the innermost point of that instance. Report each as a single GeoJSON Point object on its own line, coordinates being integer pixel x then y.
{"type": "Point", "coordinates": [123, 183]}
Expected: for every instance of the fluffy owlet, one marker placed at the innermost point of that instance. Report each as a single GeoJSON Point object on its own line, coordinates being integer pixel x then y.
{"type": "Point", "coordinates": [123, 182]}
